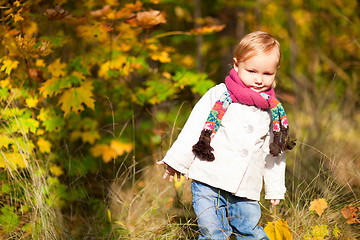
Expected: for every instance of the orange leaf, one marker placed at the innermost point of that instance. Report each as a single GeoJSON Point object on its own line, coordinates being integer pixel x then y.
{"type": "Point", "coordinates": [208, 29]}
{"type": "Point", "coordinates": [349, 212]}
{"type": "Point", "coordinates": [318, 205]}
{"type": "Point", "coordinates": [149, 19]}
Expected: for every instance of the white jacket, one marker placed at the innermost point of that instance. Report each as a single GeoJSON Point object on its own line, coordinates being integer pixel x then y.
{"type": "Point", "coordinates": [241, 149]}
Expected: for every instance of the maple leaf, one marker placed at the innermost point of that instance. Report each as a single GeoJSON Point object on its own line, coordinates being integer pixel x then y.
{"type": "Point", "coordinates": [31, 102]}
{"type": "Point", "coordinates": [9, 65]}
{"type": "Point", "coordinates": [147, 19]}
{"type": "Point", "coordinates": [12, 160]}
{"type": "Point", "coordinates": [17, 17]}
{"type": "Point", "coordinates": [336, 231]}
{"type": "Point", "coordinates": [51, 121]}
{"type": "Point", "coordinates": [74, 99]}
{"type": "Point", "coordinates": [129, 9]}
{"type": "Point", "coordinates": [318, 205]}
{"type": "Point", "coordinates": [104, 151]}
{"type": "Point", "coordinates": [317, 232]}
{"type": "Point", "coordinates": [278, 230]}
{"type": "Point", "coordinates": [40, 63]}
{"type": "Point", "coordinates": [161, 57]}
{"type": "Point", "coordinates": [120, 148]}
{"type": "Point", "coordinates": [349, 212]}
{"type": "Point", "coordinates": [57, 68]}
{"type": "Point", "coordinates": [56, 170]}
{"type": "Point", "coordinates": [86, 136]}
{"type": "Point", "coordinates": [44, 145]}
{"type": "Point", "coordinates": [24, 123]}
{"type": "Point", "coordinates": [5, 141]}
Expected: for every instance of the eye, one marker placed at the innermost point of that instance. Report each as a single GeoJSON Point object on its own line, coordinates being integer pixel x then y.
{"type": "Point", "coordinates": [268, 74]}
{"type": "Point", "coordinates": [251, 71]}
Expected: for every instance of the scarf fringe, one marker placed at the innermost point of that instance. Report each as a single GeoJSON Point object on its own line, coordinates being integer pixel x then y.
{"type": "Point", "coordinates": [281, 142]}
{"type": "Point", "coordinates": [202, 148]}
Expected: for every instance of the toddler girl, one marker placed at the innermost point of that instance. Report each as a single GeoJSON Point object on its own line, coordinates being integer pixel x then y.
{"type": "Point", "coordinates": [235, 139]}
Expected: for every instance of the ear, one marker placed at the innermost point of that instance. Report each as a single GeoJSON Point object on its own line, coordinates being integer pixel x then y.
{"type": "Point", "coordinates": [235, 63]}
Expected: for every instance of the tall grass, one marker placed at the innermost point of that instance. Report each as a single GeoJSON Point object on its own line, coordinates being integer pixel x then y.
{"type": "Point", "coordinates": [27, 209]}
{"type": "Point", "coordinates": [150, 209]}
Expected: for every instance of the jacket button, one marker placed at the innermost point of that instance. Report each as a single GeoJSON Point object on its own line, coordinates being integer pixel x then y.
{"type": "Point", "coordinates": [244, 152]}
{"type": "Point", "coordinates": [250, 128]}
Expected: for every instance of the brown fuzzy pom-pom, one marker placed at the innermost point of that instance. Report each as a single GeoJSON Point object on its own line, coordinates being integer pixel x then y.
{"type": "Point", "coordinates": [290, 144]}
{"type": "Point", "coordinates": [275, 149]}
{"type": "Point", "coordinates": [202, 148]}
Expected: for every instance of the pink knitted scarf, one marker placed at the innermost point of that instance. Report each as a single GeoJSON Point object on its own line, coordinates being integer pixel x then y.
{"type": "Point", "coordinates": [239, 92]}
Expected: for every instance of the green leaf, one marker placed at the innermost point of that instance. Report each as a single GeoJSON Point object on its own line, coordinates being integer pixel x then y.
{"type": "Point", "coordinates": [74, 99]}
{"type": "Point", "coordinates": [25, 124]}
{"type": "Point", "coordinates": [51, 121]}
{"type": "Point", "coordinates": [198, 82]}
{"type": "Point", "coordinates": [79, 65]}
{"type": "Point", "coordinates": [4, 93]}
{"type": "Point", "coordinates": [8, 219]}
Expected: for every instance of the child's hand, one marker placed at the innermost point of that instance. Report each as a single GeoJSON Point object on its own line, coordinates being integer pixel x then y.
{"type": "Point", "coordinates": [171, 172]}
{"type": "Point", "coordinates": [275, 201]}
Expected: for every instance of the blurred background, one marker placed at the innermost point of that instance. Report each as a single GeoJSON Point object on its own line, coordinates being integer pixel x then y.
{"type": "Point", "coordinates": [93, 93]}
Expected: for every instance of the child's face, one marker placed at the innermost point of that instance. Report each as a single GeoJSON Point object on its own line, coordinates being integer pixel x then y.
{"type": "Point", "coordinates": [258, 72]}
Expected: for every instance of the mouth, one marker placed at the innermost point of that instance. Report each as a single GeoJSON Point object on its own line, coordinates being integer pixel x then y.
{"type": "Point", "coordinates": [257, 88]}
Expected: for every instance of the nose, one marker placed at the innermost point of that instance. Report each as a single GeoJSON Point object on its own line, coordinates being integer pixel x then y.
{"type": "Point", "coordinates": [258, 79]}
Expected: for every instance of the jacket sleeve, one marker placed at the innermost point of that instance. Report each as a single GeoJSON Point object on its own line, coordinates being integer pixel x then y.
{"type": "Point", "coordinates": [274, 174]}
{"type": "Point", "coordinates": [180, 155]}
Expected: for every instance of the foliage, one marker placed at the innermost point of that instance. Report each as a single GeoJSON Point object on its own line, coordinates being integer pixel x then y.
{"type": "Point", "coordinates": [93, 89]}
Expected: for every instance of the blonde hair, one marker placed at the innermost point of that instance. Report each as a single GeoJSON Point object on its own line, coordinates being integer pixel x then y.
{"type": "Point", "coordinates": [254, 44]}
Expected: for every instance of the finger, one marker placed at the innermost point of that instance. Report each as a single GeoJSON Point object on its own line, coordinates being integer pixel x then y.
{"type": "Point", "coordinates": [171, 178]}
{"type": "Point", "coordinates": [178, 177]}
{"type": "Point", "coordinates": [186, 176]}
{"type": "Point", "coordinates": [165, 174]}
{"type": "Point", "coordinates": [160, 162]}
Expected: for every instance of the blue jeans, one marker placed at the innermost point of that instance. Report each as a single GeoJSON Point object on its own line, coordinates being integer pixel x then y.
{"type": "Point", "coordinates": [220, 213]}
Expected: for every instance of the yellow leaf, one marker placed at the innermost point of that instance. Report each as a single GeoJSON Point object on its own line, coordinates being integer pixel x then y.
{"type": "Point", "coordinates": [31, 102]}
{"type": "Point", "coordinates": [86, 136]}
{"type": "Point", "coordinates": [31, 28]}
{"type": "Point", "coordinates": [278, 230]}
{"type": "Point", "coordinates": [44, 145]}
{"type": "Point", "coordinates": [17, 17]}
{"type": "Point", "coordinates": [56, 170]}
{"type": "Point", "coordinates": [120, 148]}
{"type": "Point", "coordinates": [12, 160]}
{"type": "Point", "coordinates": [112, 3]}
{"type": "Point", "coordinates": [9, 65]}
{"type": "Point", "coordinates": [40, 63]}
{"type": "Point", "coordinates": [161, 57]}
{"type": "Point", "coordinates": [118, 63]}
{"type": "Point", "coordinates": [108, 155]}
{"type": "Point", "coordinates": [104, 151]}
{"type": "Point", "coordinates": [179, 184]}
{"type": "Point", "coordinates": [5, 141]}
{"type": "Point", "coordinates": [40, 132]}
{"type": "Point", "coordinates": [98, 149]}
{"type": "Point", "coordinates": [57, 68]}
{"type": "Point", "coordinates": [74, 99]}
{"type": "Point", "coordinates": [5, 83]}
{"type": "Point", "coordinates": [318, 205]}
{"type": "Point", "coordinates": [109, 215]}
